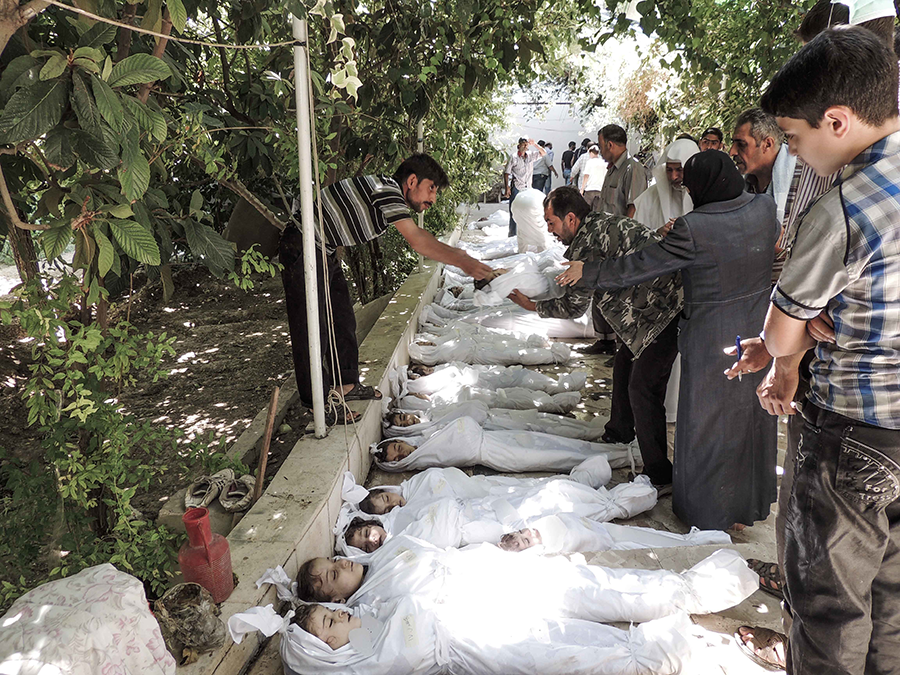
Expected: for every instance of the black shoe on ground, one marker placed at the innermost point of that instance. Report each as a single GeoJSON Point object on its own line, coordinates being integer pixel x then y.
{"type": "Point", "coordinates": [607, 347]}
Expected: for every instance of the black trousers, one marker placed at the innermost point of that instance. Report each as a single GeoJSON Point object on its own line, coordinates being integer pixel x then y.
{"type": "Point", "coordinates": [344, 321]}
{"type": "Point", "coordinates": [842, 548]}
{"type": "Point", "coordinates": [602, 329]}
{"type": "Point", "coordinates": [639, 401]}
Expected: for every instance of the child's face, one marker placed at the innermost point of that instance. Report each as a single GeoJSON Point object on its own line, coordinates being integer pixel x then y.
{"type": "Point", "coordinates": [397, 450]}
{"type": "Point", "coordinates": [337, 579]}
{"type": "Point", "coordinates": [520, 540]}
{"type": "Point", "coordinates": [383, 502]}
{"type": "Point", "coordinates": [405, 419]}
{"type": "Point", "coordinates": [368, 538]}
{"type": "Point", "coordinates": [817, 146]}
{"type": "Point", "coordinates": [333, 626]}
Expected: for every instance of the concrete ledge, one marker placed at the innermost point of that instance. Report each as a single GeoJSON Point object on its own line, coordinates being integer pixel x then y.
{"type": "Point", "coordinates": [292, 522]}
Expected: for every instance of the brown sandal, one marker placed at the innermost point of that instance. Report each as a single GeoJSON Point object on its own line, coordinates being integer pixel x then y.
{"type": "Point", "coordinates": [769, 576]}
{"type": "Point", "coordinates": [762, 646]}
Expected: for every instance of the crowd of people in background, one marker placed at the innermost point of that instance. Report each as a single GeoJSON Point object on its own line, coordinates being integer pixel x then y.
{"type": "Point", "coordinates": [791, 235]}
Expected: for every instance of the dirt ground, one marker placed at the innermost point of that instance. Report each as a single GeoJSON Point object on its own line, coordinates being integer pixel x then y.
{"type": "Point", "coordinates": [232, 348]}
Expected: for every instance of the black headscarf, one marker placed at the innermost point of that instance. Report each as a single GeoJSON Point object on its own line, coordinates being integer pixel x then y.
{"type": "Point", "coordinates": [711, 176]}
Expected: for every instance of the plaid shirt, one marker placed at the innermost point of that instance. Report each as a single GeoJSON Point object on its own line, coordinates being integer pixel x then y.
{"type": "Point", "coordinates": [846, 261]}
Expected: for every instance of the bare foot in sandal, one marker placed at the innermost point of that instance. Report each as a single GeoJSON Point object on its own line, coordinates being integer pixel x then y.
{"type": "Point", "coordinates": [765, 647]}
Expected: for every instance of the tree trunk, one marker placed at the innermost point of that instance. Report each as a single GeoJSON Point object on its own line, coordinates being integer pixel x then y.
{"type": "Point", "coordinates": [123, 45]}
{"type": "Point", "coordinates": [22, 246]}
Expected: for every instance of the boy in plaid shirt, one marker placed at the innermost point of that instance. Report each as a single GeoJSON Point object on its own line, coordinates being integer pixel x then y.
{"type": "Point", "coordinates": [836, 101]}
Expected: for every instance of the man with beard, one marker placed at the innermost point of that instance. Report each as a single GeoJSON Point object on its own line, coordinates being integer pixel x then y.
{"type": "Point", "coordinates": [642, 317]}
{"type": "Point", "coordinates": [355, 211]}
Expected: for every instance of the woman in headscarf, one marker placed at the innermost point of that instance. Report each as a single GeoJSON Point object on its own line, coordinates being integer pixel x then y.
{"type": "Point", "coordinates": [725, 443]}
{"type": "Point", "coordinates": [666, 199]}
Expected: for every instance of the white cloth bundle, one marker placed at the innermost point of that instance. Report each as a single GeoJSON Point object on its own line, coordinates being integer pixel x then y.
{"type": "Point", "coordinates": [525, 277]}
{"type": "Point", "coordinates": [487, 349]}
{"type": "Point", "coordinates": [511, 317]}
{"type": "Point", "coordinates": [499, 218]}
{"type": "Point", "coordinates": [494, 377]}
{"type": "Point", "coordinates": [531, 230]}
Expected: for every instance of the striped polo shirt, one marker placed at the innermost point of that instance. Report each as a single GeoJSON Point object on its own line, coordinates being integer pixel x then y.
{"type": "Point", "coordinates": [846, 260]}
{"type": "Point", "coordinates": [357, 210]}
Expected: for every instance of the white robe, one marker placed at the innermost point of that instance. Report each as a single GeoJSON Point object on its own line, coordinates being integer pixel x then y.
{"type": "Point", "coordinates": [465, 443]}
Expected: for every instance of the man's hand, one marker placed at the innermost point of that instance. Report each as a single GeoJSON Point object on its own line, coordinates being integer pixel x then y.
{"type": "Point", "coordinates": [522, 300]}
{"type": "Point", "coordinates": [665, 229]}
{"type": "Point", "coordinates": [571, 275]}
{"type": "Point", "coordinates": [476, 269]}
{"type": "Point", "coordinates": [754, 357]}
{"type": "Point", "coordinates": [821, 329]}
{"type": "Point", "coordinates": [776, 391]}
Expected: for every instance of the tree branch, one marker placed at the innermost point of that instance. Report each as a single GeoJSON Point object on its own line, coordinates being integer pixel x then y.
{"type": "Point", "coordinates": [11, 209]}
{"type": "Point", "coordinates": [124, 42]}
{"type": "Point", "coordinates": [158, 51]}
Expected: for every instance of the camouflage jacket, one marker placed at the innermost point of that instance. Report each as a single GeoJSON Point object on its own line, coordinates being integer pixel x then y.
{"type": "Point", "coordinates": [637, 314]}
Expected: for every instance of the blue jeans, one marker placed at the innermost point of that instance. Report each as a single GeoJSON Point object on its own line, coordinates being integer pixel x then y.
{"type": "Point", "coordinates": [842, 548]}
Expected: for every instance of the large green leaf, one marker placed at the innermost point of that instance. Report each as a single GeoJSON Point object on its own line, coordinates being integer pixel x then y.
{"type": "Point", "coordinates": [98, 35]}
{"type": "Point", "coordinates": [108, 103]}
{"type": "Point", "coordinates": [55, 66]}
{"type": "Point", "coordinates": [54, 241]}
{"type": "Point", "coordinates": [138, 69]}
{"type": "Point", "coordinates": [134, 173]}
{"type": "Point", "coordinates": [85, 106]}
{"type": "Point", "coordinates": [16, 68]}
{"type": "Point", "coordinates": [33, 111]}
{"type": "Point", "coordinates": [178, 14]}
{"type": "Point", "coordinates": [96, 150]}
{"type": "Point", "coordinates": [136, 241]}
{"type": "Point", "coordinates": [58, 147]}
{"type": "Point", "coordinates": [207, 245]}
{"type": "Point", "coordinates": [147, 119]}
{"type": "Point", "coordinates": [105, 253]}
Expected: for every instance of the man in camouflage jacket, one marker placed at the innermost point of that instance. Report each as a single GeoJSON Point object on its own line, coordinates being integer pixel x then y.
{"type": "Point", "coordinates": [642, 316]}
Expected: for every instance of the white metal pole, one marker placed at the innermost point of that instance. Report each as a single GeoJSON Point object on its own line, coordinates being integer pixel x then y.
{"type": "Point", "coordinates": [304, 143]}
{"type": "Point", "coordinates": [420, 147]}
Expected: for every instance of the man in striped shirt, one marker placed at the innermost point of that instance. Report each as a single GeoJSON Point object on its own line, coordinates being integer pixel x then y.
{"type": "Point", "coordinates": [354, 211]}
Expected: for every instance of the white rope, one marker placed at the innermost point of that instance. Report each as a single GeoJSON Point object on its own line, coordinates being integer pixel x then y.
{"type": "Point", "coordinates": [138, 29]}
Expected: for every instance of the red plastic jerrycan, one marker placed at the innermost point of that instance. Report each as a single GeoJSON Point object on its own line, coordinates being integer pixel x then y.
{"type": "Point", "coordinates": [205, 558]}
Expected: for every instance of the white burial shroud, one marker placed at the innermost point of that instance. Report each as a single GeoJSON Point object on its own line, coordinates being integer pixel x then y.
{"type": "Point", "coordinates": [465, 443]}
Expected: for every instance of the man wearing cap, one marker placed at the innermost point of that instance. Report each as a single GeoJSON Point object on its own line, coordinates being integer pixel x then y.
{"type": "Point", "coordinates": [521, 168]}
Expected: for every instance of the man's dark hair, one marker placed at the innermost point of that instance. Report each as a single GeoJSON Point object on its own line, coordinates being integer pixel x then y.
{"type": "Point", "coordinates": [541, 143]}
{"type": "Point", "coordinates": [423, 167]}
{"type": "Point", "coordinates": [614, 133]}
{"type": "Point", "coordinates": [685, 137]}
{"type": "Point", "coordinates": [367, 505]}
{"type": "Point", "coordinates": [307, 591]}
{"type": "Point", "coordinates": [303, 617]}
{"type": "Point", "coordinates": [521, 140]}
{"type": "Point", "coordinates": [566, 199]}
{"type": "Point", "coordinates": [825, 15]}
{"type": "Point", "coordinates": [572, 144]}
{"type": "Point", "coordinates": [849, 67]}
{"type": "Point", "coordinates": [762, 125]}
{"type": "Point", "coordinates": [586, 142]}
{"type": "Point", "coordinates": [715, 131]}
{"type": "Point", "coordinates": [356, 525]}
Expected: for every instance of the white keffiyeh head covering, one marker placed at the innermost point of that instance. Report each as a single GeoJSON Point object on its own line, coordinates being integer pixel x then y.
{"type": "Point", "coordinates": [674, 203]}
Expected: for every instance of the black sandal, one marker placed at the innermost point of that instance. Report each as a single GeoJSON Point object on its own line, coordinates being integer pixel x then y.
{"type": "Point", "coordinates": [363, 392]}
{"type": "Point", "coordinates": [769, 576]}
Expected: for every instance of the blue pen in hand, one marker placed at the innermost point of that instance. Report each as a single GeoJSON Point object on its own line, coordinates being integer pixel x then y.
{"type": "Point", "coordinates": [737, 345]}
